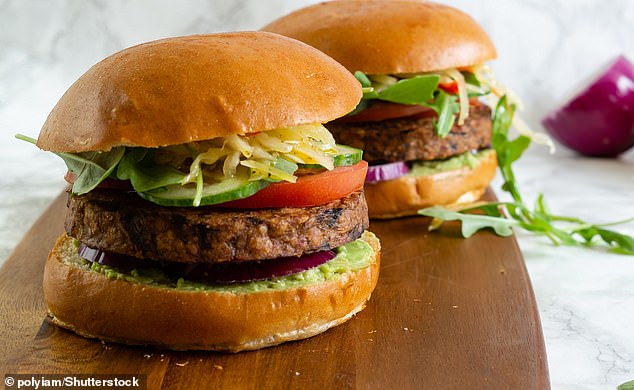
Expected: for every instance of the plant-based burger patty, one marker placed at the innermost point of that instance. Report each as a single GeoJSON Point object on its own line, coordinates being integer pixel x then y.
{"type": "Point", "coordinates": [111, 220]}
{"type": "Point", "coordinates": [413, 138]}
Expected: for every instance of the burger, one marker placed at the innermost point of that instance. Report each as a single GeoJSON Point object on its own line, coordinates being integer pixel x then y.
{"type": "Point", "coordinates": [422, 122]}
{"type": "Point", "coordinates": [209, 208]}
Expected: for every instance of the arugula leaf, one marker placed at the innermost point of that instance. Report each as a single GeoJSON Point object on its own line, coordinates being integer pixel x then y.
{"type": "Point", "coordinates": [90, 168]}
{"type": "Point", "coordinates": [471, 223]}
{"type": "Point", "coordinates": [446, 106]}
{"type": "Point", "coordinates": [470, 78]}
{"type": "Point", "coordinates": [620, 243]}
{"type": "Point", "coordinates": [420, 90]}
{"type": "Point", "coordinates": [416, 90]}
{"type": "Point", "coordinates": [507, 151]}
{"type": "Point", "coordinates": [503, 216]}
{"type": "Point", "coordinates": [492, 209]}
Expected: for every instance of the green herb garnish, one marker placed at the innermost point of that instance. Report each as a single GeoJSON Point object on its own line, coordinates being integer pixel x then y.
{"type": "Point", "coordinates": [91, 168]}
{"type": "Point", "coordinates": [416, 90]}
{"type": "Point", "coordinates": [539, 220]}
{"type": "Point", "coordinates": [420, 90]}
{"type": "Point", "coordinates": [138, 167]}
{"type": "Point", "coordinates": [447, 107]}
{"type": "Point", "coordinates": [471, 223]}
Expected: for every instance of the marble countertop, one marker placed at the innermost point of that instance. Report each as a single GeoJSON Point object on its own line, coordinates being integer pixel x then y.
{"type": "Point", "coordinates": [585, 297]}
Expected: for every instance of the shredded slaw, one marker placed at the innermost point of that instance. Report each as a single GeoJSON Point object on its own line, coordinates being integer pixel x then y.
{"type": "Point", "coordinates": [222, 158]}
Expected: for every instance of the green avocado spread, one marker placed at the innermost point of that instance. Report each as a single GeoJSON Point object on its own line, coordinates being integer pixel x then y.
{"type": "Point", "coordinates": [468, 159]}
{"type": "Point", "coordinates": [352, 256]}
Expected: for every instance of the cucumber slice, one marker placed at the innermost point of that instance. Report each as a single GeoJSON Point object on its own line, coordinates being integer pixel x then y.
{"type": "Point", "coordinates": [224, 191]}
{"type": "Point", "coordinates": [346, 156]}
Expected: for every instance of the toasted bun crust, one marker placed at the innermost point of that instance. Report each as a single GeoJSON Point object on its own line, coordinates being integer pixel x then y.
{"type": "Point", "coordinates": [389, 37]}
{"type": "Point", "coordinates": [194, 88]}
{"type": "Point", "coordinates": [406, 195]}
{"type": "Point", "coordinates": [92, 305]}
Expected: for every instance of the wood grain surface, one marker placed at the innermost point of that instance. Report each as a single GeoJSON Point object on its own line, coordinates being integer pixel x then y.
{"type": "Point", "coordinates": [448, 313]}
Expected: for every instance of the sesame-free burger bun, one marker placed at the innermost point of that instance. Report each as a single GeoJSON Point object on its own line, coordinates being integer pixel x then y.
{"type": "Point", "coordinates": [408, 194]}
{"type": "Point", "coordinates": [402, 37]}
{"type": "Point", "coordinates": [93, 305]}
{"type": "Point", "coordinates": [194, 88]}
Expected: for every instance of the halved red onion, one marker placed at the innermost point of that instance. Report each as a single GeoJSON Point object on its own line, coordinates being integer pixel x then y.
{"type": "Point", "coordinates": [600, 120]}
{"type": "Point", "coordinates": [387, 171]}
{"type": "Point", "coordinates": [228, 272]}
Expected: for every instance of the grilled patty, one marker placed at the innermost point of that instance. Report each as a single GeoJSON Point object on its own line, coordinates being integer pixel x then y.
{"type": "Point", "coordinates": [120, 222]}
{"type": "Point", "coordinates": [413, 138]}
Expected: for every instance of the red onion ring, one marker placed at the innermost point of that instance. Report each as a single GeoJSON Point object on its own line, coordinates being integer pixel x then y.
{"type": "Point", "coordinates": [600, 120]}
{"type": "Point", "coordinates": [224, 273]}
{"type": "Point", "coordinates": [389, 171]}
{"type": "Point", "coordinates": [237, 272]}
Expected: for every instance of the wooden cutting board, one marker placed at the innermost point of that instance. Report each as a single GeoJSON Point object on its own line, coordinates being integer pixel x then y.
{"type": "Point", "coordinates": [447, 313]}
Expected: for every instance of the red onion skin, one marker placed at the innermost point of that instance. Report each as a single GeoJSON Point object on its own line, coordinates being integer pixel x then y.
{"type": "Point", "coordinates": [599, 122]}
{"type": "Point", "coordinates": [389, 171]}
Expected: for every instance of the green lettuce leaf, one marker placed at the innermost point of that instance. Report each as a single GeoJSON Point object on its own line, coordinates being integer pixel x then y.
{"type": "Point", "coordinates": [91, 168]}
{"type": "Point", "coordinates": [143, 174]}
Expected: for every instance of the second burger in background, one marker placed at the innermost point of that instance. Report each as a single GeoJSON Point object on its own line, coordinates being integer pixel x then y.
{"type": "Point", "coordinates": [423, 128]}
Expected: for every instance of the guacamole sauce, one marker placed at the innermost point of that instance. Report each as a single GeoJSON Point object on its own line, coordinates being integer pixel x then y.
{"type": "Point", "coordinates": [469, 159]}
{"type": "Point", "coordinates": [352, 256]}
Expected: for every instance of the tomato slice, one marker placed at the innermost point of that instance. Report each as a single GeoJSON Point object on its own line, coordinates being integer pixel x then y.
{"type": "Point", "coordinates": [309, 190]}
{"type": "Point", "coordinates": [380, 111]}
{"type": "Point", "coordinates": [451, 87]}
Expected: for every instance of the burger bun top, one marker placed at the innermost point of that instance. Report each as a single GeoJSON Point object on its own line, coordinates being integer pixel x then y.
{"type": "Point", "coordinates": [389, 37]}
{"type": "Point", "coordinates": [194, 88]}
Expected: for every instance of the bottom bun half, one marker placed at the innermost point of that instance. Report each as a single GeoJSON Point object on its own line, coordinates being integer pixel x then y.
{"type": "Point", "coordinates": [95, 306]}
{"type": "Point", "coordinates": [408, 194]}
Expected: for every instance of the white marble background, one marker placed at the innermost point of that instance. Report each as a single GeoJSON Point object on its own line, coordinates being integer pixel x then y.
{"type": "Point", "coordinates": [546, 48]}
